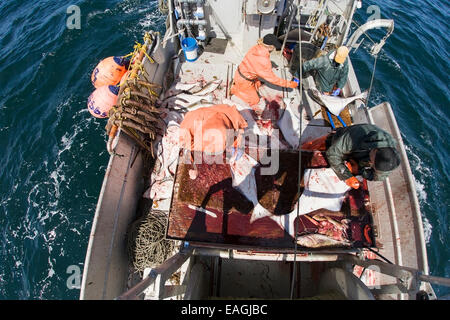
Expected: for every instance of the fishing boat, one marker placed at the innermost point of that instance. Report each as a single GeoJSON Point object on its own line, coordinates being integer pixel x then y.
{"type": "Point", "coordinates": [213, 250]}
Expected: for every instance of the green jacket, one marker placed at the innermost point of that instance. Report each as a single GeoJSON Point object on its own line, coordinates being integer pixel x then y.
{"type": "Point", "coordinates": [327, 74]}
{"type": "Point", "coordinates": [355, 142]}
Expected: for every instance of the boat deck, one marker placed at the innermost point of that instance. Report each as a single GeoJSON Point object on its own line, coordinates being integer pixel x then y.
{"type": "Point", "coordinates": [227, 220]}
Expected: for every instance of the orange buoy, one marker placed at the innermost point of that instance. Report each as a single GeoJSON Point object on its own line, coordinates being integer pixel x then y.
{"type": "Point", "coordinates": [109, 71]}
{"type": "Point", "coordinates": [124, 78]}
{"type": "Point", "coordinates": [102, 100]}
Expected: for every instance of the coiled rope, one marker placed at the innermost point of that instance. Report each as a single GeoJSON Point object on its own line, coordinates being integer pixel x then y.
{"type": "Point", "coordinates": [146, 242]}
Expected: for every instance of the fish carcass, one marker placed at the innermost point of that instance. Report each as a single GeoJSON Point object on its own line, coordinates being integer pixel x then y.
{"type": "Point", "coordinates": [319, 241]}
{"type": "Point", "coordinates": [184, 100]}
{"type": "Point", "coordinates": [335, 104]}
{"type": "Point", "coordinates": [208, 88]}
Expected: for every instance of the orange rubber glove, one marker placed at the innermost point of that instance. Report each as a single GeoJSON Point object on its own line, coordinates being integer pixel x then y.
{"type": "Point", "coordinates": [352, 182]}
{"type": "Point", "coordinates": [352, 166]}
{"type": "Point", "coordinates": [293, 84]}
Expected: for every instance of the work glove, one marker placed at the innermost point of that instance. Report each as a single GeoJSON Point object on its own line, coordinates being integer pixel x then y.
{"type": "Point", "coordinates": [336, 92]}
{"type": "Point", "coordinates": [294, 84]}
{"type": "Point", "coordinates": [352, 182]}
{"type": "Point", "coordinates": [352, 166]}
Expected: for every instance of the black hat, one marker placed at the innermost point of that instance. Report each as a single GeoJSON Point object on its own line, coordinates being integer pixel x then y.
{"type": "Point", "coordinates": [271, 39]}
{"type": "Point", "coordinates": [386, 159]}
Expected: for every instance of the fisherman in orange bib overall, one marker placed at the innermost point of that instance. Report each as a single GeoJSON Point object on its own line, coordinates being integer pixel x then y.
{"type": "Point", "coordinates": [205, 130]}
{"type": "Point", "coordinates": [256, 64]}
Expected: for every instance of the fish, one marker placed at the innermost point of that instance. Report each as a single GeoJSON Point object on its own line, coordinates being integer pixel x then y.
{"type": "Point", "coordinates": [319, 241]}
{"type": "Point", "coordinates": [252, 126]}
{"type": "Point", "coordinates": [193, 98]}
{"type": "Point", "coordinates": [335, 104]}
{"type": "Point", "coordinates": [178, 88]}
{"type": "Point", "coordinates": [208, 88]}
{"type": "Point", "coordinates": [184, 86]}
{"type": "Point", "coordinates": [174, 102]}
{"type": "Point", "coordinates": [184, 100]}
{"type": "Point", "coordinates": [200, 104]}
{"type": "Point", "coordinates": [243, 179]}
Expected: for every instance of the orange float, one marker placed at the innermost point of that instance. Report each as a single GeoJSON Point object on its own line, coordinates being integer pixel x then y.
{"type": "Point", "coordinates": [109, 71]}
{"type": "Point", "coordinates": [102, 100]}
{"type": "Point", "coordinates": [124, 78]}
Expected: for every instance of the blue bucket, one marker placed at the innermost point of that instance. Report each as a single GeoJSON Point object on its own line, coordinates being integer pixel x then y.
{"type": "Point", "coordinates": [190, 47]}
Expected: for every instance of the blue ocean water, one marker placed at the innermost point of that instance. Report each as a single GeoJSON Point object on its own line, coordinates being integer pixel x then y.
{"type": "Point", "coordinates": [53, 155]}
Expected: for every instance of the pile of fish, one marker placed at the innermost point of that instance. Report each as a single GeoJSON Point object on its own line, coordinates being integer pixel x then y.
{"type": "Point", "coordinates": [330, 232]}
{"type": "Point", "coordinates": [184, 97]}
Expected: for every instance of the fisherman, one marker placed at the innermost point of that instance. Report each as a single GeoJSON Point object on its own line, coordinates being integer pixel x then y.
{"type": "Point", "coordinates": [331, 70]}
{"type": "Point", "coordinates": [211, 130]}
{"type": "Point", "coordinates": [360, 149]}
{"type": "Point", "coordinates": [256, 64]}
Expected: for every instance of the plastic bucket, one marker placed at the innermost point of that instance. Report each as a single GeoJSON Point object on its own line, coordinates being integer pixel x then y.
{"type": "Point", "coordinates": [190, 47]}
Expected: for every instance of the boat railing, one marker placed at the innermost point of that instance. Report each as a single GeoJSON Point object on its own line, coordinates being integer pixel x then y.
{"type": "Point", "coordinates": [158, 277]}
{"type": "Point", "coordinates": [408, 279]}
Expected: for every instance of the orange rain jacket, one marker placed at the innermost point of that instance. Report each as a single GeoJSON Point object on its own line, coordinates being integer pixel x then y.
{"type": "Point", "coordinates": [205, 129]}
{"type": "Point", "coordinates": [256, 63]}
